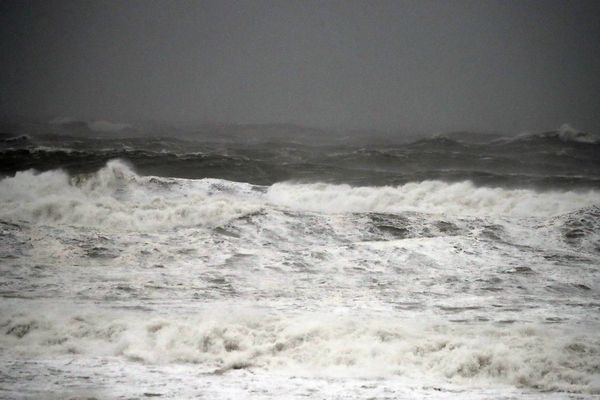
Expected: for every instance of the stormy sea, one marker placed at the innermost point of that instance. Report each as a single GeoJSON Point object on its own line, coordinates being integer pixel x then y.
{"type": "Point", "coordinates": [281, 262]}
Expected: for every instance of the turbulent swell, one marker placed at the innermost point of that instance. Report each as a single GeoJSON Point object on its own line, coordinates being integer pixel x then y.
{"type": "Point", "coordinates": [563, 159]}
{"type": "Point", "coordinates": [452, 267]}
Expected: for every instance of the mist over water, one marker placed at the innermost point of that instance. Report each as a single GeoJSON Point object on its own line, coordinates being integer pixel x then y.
{"type": "Point", "coordinates": [268, 200]}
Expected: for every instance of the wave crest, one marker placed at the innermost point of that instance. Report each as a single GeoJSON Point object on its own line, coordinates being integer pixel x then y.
{"type": "Point", "coordinates": [462, 198]}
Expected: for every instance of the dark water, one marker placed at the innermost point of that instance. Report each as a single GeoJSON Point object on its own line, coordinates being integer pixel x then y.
{"type": "Point", "coordinates": [551, 160]}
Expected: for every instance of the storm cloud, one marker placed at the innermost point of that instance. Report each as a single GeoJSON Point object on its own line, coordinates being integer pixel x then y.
{"type": "Point", "coordinates": [426, 65]}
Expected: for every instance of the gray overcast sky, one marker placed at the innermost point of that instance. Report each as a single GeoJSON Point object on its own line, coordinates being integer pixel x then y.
{"type": "Point", "coordinates": [426, 65]}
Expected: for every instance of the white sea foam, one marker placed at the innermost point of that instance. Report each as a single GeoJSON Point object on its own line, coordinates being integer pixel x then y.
{"type": "Point", "coordinates": [524, 356]}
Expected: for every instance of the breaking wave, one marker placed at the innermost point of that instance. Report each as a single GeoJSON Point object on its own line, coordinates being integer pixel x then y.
{"type": "Point", "coordinates": [116, 197]}
{"type": "Point", "coordinates": [462, 198]}
{"type": "Point", "coordinates": [565, 133]}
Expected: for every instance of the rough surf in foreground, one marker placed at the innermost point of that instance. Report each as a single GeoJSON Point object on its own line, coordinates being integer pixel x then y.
{"type": "Point", "coordinates": [119, 285]}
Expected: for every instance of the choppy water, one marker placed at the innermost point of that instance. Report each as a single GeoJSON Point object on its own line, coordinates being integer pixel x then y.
{"type": "Point", "coordinates": [436, 269]}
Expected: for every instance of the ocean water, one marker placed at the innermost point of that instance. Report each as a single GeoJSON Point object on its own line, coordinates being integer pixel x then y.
{"type": "Point", "coordinates": [444, 268]}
